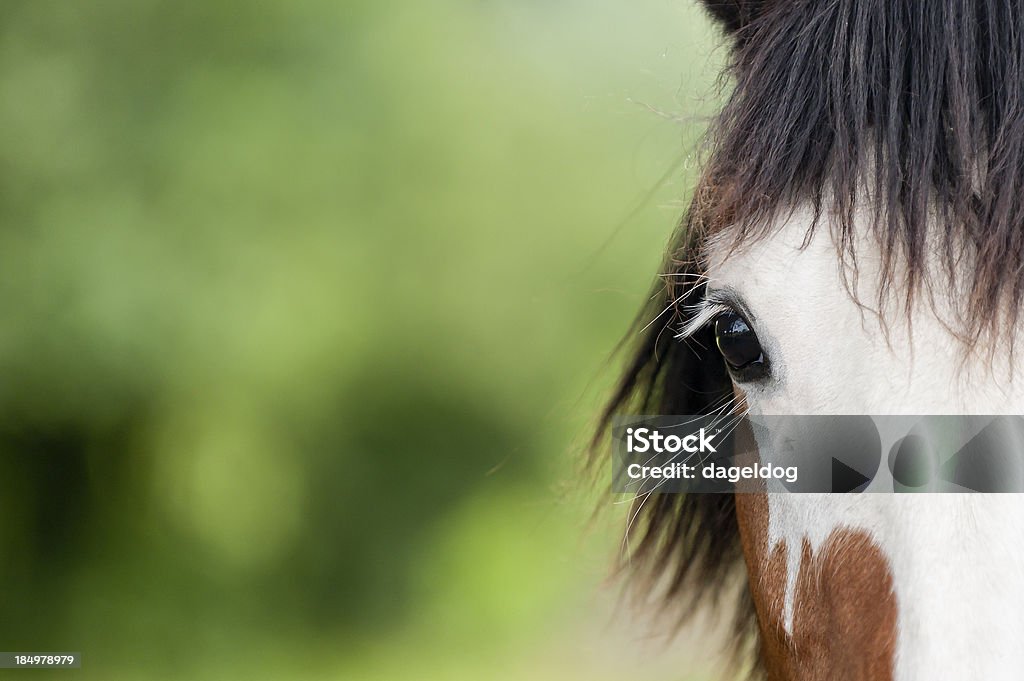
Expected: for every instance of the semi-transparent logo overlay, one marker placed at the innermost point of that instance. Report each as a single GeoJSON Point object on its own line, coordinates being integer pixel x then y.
{"type": "Point", "coordinates": [848, 454]}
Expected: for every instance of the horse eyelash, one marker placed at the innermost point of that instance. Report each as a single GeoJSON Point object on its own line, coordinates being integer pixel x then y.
{"type": "Point", "coordinates": [703, 313]}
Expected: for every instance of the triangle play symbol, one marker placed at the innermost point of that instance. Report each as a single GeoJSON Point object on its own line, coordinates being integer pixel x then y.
{"type": "Point", "coordinates": [846, 479]}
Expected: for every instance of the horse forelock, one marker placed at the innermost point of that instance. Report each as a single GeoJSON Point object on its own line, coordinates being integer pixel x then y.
{"type": "Point", "coordinates": [904, 116]}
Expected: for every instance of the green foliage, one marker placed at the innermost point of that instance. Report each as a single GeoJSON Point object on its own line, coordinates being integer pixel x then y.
{"type": "Point", "coordinates": [306, 308]}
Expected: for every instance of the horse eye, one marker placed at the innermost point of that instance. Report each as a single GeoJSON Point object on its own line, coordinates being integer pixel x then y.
{"type": "Point", "coordinates": [738, 344]}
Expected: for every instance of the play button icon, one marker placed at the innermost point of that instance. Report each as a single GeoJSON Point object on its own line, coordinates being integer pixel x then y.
{"type": "Point", "coordinates": [832, 453]}
{"type": "Point", "coordinates": [847, 479]}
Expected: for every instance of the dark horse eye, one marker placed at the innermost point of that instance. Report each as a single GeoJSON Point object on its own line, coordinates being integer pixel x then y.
{"type": "Point", "coordinates": [738, 343]}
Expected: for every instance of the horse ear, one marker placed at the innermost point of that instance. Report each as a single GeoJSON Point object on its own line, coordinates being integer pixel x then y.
{"type": "Point", "coordinates": [735, 15]}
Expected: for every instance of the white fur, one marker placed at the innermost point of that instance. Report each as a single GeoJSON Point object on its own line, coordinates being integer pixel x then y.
{"type": "Point", "coordinates": [957, 560]}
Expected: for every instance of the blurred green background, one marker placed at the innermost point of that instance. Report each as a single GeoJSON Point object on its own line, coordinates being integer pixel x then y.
{"type": "Point", "coordinates": [307, 309]}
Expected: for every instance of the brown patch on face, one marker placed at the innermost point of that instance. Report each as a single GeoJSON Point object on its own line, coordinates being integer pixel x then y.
{"type": "Point", "coordinates": [844, 619]}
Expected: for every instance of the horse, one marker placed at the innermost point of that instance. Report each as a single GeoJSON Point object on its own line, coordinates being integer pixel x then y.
{"type": "Point", "coordinates": [854, 244]}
